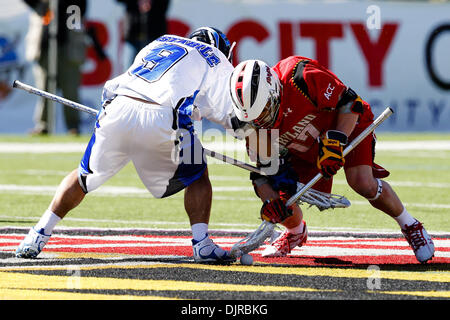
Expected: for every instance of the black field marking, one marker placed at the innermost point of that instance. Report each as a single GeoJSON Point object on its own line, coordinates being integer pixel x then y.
{"type": "Point", "coordinates": [348, 287]}
{"type": "Point", "coordinates": [244, 295]}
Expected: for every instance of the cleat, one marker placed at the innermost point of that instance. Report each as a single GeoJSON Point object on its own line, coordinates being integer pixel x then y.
{"type": "Point", "coordinates": [32, 244]}
{"type": "Point", "coordinates": [420, 241]}
{"type": "Point", "coordinates": [207, 251]}
{"type": "Point", "coordinates": [284, 244]}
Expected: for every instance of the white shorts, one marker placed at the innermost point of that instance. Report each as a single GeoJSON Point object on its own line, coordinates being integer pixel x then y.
{"type": "Point", "coordinates": [167, 157]}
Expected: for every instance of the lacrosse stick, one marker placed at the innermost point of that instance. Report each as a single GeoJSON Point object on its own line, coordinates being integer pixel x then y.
{"type": "Point", "coordinates": [237, 163]}
{"type": "Point", "coordinates": [322, 200]}
{"type": "Point", "coordinates": [257, 238]}
{"type": "Point", "coordinates": [19, 85]}
{"type": "Point", "coordinates": [48, 95]}
{"type": "Point", "coordinates": [386, 114]}
{"type": "Point", "coordinates": [254, 240]}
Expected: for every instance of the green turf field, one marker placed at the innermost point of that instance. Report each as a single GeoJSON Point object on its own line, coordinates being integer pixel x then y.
{"type": "Point", "coordinates": [420, 177]}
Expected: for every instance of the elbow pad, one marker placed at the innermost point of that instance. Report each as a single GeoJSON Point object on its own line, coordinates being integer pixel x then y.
{"type": "Point", "coordinates": [350, 102]}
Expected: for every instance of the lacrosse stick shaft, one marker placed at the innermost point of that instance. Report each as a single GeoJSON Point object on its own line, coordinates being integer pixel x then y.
{"type": "Point", "coordinates": [80, 107]}
{"type": "Point", "coordinates": [48, 95]}
{"type": "Point", "coordinates": [232, 161]}
{"type": "Point", "coordinates": [386, 114]}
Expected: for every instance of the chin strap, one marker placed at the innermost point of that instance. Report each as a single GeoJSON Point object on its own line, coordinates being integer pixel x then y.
{"type": "Point", "coordinates": [379, 191]}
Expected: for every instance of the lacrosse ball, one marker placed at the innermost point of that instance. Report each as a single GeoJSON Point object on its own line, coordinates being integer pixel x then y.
{"type": "Point", "coordinates": [246, 259]}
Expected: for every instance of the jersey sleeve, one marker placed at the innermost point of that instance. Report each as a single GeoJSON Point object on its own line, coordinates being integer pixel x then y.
{"type": "Point", "coordinates": [321, 86]}
{"type": "Point", "coordinates": [214, 103]}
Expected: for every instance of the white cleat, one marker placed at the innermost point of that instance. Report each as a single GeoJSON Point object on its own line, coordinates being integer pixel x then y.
{"type": "Point", "coordinates": [32, 244]}
{"type": "Point", "coordinates": [207, 251]}
{"type": "Point", "coordinates": [284, 244]}
{"type": "Point", "coordinates": [420, 241]}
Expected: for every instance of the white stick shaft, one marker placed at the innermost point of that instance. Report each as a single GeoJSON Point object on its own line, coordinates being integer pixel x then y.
{"type": "Point", "coordinates": [75, 105]}
{"type": "Point", "coordinates": [386, 114]}
{"type": "Point", "coordinates": [48, 95]}
{"type": "Point", "coordinates": [232, 161]}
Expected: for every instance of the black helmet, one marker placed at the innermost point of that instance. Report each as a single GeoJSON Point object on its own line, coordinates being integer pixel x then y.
{"type": "Point", "coordinates": [214, 37]}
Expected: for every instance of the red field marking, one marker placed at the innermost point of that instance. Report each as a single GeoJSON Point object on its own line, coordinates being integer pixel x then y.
{"type": "Point", "coordinates": [313, 251]}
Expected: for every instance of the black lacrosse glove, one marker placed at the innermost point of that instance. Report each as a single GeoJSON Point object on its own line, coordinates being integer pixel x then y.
{"type": "Point", "coordinates": [275, 211]}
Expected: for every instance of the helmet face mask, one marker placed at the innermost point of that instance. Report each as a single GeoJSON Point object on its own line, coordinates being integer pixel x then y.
{"type": "Point", "coordinates": [215, 38]}
{"type": "Point", "coordinates": [269, 114]}
{"type": "Point", "coordinates": [255, 92]}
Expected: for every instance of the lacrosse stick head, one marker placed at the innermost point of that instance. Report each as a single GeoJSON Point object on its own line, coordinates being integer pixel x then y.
{"type": "Point", "coordinates": [322, 200]}
{"type": "Point", "coordinates": [254, 240]}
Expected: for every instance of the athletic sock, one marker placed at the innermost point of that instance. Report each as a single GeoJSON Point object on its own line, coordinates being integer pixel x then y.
{"type": "Point", "coordinates": [405, 219]}
{"type": "Point", "coordinates": [47, 222]}
{"type": "Point", "coordinates": [199, 231]}
{"type": "Point", "coordinates": [298, 229]}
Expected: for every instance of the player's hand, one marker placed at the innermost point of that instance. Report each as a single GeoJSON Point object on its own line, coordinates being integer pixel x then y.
{"type": "Point", "coordinates": [275, 211]}
{"type": "Point", "coordinates": [330, 158]}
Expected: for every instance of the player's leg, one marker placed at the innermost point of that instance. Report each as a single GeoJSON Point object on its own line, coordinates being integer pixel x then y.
{"type": "Point", "coordinates": [359, 171]}
{"type": "Point", "coordinates": [68, 196]}
{"type": "Point", "coordinates": [103, 158]}
{"type": "Point", "coordinates": [167, 164]}
{"type": "Point", "coordinates": [197, 202]}
{"type": "Point", "coordinates": [295, 233]}
{"type": "Point", "coordinates": [362, 181]}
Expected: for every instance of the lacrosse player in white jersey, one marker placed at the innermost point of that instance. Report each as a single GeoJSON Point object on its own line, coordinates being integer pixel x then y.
{"type": "Point", "coordinates": [146, 117]}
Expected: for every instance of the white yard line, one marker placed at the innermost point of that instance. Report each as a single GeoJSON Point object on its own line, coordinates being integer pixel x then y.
{"type": "Point", "coordinates": [237, 146]}
{"type": "Point", "coordinates": [140, 192]}
{"type": "Point", "coordinates": [13, 147]}
{"type": "Point", "coordinates": [61, 173]}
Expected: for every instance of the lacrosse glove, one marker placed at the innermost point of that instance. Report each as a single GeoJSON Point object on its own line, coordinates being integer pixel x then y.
{"type": "Point", "coordinates": [275, 211]}
{"type": "Point", "coordinates": [330, 158]}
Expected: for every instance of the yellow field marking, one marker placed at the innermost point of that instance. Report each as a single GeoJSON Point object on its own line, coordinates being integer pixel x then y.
{"type": "Point", "coordinates": [31, 294]}
{"type": "Point", "coordinates": [12, 280]}
{"type": "Point", "coordinates": [332, 272]}
{"type": "Point", "coordinates": [431, 276]}
{"type": "Point", "coordinates": [429, 294]}
{"type": "Point", "coordinates": [87, 255]}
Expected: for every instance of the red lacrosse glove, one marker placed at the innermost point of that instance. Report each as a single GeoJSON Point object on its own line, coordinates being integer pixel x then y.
{"type": "Point", "coordinates": [330, 158]}
{"type": "Point", "coordinates": [275, 211]}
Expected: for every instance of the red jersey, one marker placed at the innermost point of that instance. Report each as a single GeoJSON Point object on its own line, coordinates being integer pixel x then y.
{"type": "Point", "coordinates": [308, 107]}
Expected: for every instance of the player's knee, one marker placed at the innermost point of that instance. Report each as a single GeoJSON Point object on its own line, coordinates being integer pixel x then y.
{"type": "Point", "coordinates": [368, 188]}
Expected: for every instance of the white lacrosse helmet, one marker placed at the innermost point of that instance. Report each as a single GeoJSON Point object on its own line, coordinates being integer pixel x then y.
{"type": "Point", "coordinates": [255, 91]}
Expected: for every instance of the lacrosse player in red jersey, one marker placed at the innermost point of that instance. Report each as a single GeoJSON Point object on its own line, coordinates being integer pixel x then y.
{"type": "Point", "coordinates": [316, 115]}
{"type": "Point", "coordinates": [147, 118]}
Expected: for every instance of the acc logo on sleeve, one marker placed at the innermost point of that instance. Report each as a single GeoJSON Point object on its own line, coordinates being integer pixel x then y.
{"type": "Point", "coordinates": [329, 91]}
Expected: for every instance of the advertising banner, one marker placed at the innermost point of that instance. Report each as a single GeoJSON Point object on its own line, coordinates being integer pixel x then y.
{"type": "Point", "coordinates": [391, 53]}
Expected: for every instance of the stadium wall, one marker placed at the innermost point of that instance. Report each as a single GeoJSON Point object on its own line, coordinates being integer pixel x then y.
{"type": "Point", "coordinates": [392, 53]}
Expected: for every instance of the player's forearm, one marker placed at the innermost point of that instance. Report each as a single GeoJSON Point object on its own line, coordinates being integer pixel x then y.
{"type": "Point", "coordinates": [346, 122]}
{"type": "Point", "coordinates": [265, 192]}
